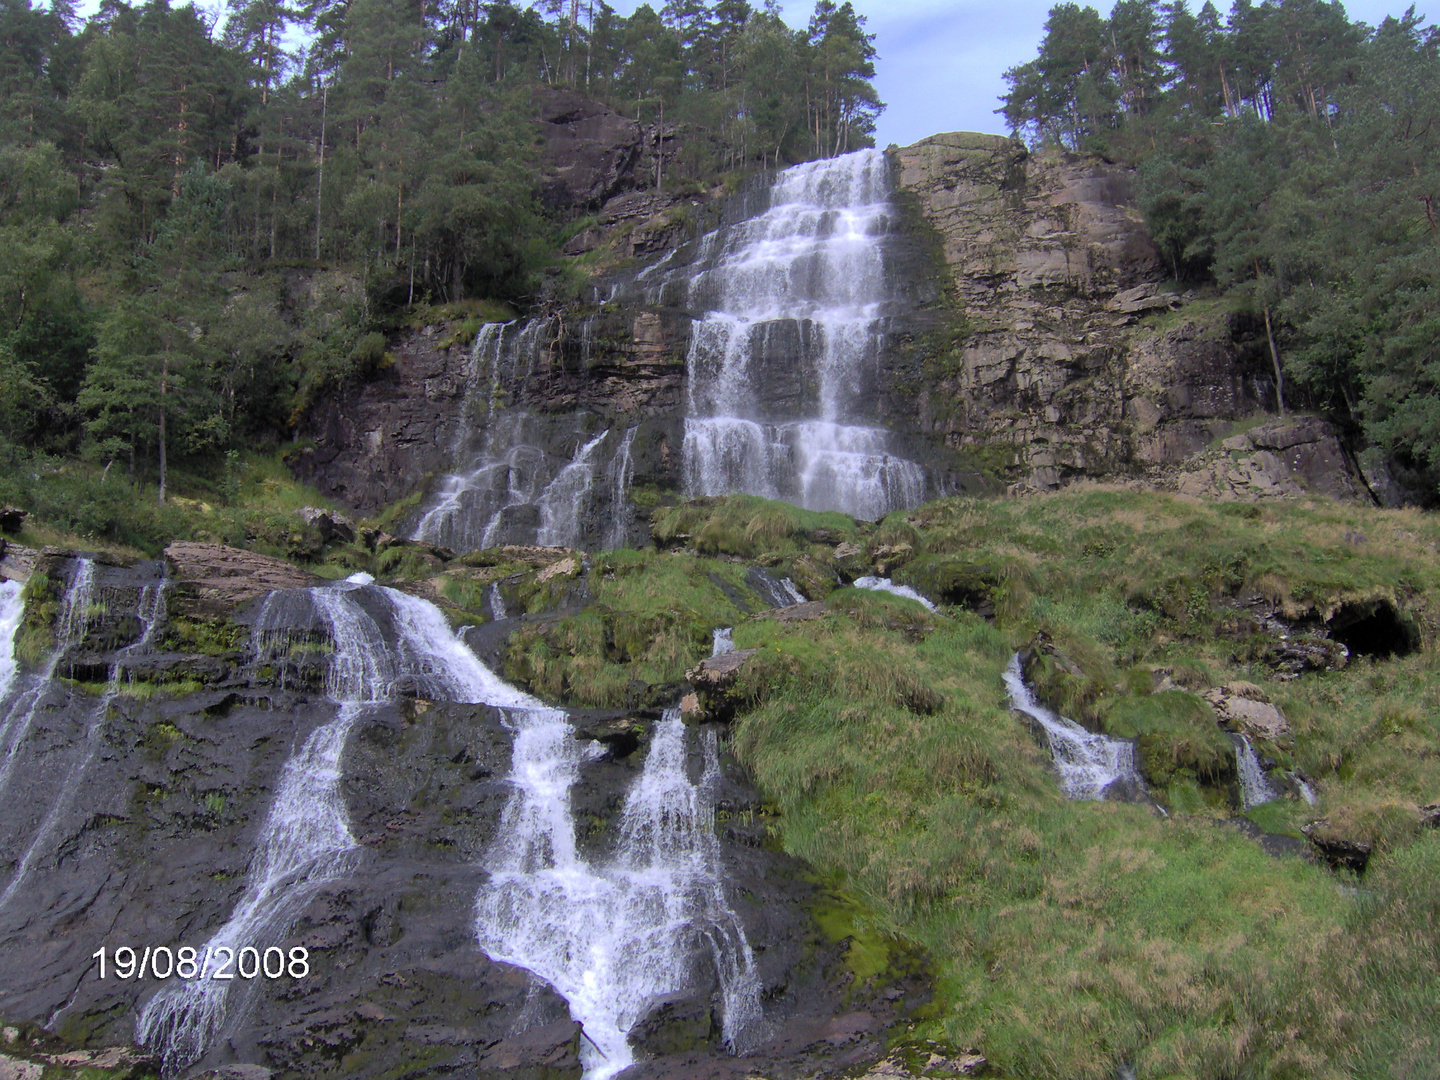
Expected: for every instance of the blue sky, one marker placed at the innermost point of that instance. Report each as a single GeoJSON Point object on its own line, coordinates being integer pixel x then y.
{"type": "Point", "coordinates": [941, 62]}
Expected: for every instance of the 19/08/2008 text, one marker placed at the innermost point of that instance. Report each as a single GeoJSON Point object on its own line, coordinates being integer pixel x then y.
{"type": "Point", "coordinates": [217, 962]}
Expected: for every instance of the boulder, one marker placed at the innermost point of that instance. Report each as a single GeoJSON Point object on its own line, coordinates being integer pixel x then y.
{"type": "Point", "coordinates": [1241, 707]}
{"type": "Point", "coordinates": [12, 518]}
{"type": "Point", "coordinates": [676, 1024]}
{"type": "Point", "coordinates": [811, 609]}
{"type": "Point", "coordinates": [215, 579]}
{"type": "Point", "coordinates": [714, 680]}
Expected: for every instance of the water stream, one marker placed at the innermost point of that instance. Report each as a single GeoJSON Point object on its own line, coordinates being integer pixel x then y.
{"type": "Point", "coordinates": [12, 611]}
{"type": "Point", "coordinates": [305, 840]}
{"type": "Point", "coordinates": [615, 936]}
{"type": "Point", "coordinates": [150, 611]}
{"type": "Point", "coordinates": [1087, 763]}
{"type": "Point", "coordinates": [884, 584]}
{"type": "Point", "coordinates": [1255, 786]}
{"type": "Point", "coordinates": [70, 627]}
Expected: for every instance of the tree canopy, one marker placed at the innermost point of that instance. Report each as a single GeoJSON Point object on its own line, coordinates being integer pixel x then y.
{"type": "Point", "coordinates": [1292, 157]}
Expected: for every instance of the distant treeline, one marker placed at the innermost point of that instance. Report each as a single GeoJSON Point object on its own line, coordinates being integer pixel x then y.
{"type": "Point", "coordinates": [157, 173]}
{"type": "Point", "coordinates": [1290, 155]}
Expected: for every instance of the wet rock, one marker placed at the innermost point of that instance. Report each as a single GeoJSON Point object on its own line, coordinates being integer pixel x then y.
{"type": "Point", "coordinates": [12, 519]}
{"type": "Point", "coordinates": [237, 1072]}
{"type": "Point", "coordinates": [1243, 708]}
{"type": "Point", "coordinates": [215, 579]}
{"type": "Point", "coordinates": [675, 1025]}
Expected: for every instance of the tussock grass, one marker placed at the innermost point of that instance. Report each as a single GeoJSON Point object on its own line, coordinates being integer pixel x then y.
{"type": "Point", "coordinates": [1072, 938]}
{"type": "Point", "coordinates": [746, 525]}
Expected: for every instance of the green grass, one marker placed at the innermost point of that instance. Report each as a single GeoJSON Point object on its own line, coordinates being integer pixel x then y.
{"type": "Point", "coordinates": [747, 525]}
{"type": "Point", "coordinates": [1071, 938]}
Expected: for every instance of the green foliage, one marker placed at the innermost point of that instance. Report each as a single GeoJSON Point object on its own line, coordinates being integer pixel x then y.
{"type": "Point", "coordinates": [1289, 154]}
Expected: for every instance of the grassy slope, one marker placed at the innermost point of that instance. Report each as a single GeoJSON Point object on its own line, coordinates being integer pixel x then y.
{"type": "Point", "coordinates": [1073, 937]}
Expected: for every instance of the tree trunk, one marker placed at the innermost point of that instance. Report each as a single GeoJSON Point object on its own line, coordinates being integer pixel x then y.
{"type": "Point", "coordinates": [164, 378]}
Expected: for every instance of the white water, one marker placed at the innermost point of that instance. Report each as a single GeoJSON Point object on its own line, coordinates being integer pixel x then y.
{"type": "Point", "coordinates": [305, 840]}
{"type": "Point", "coordinates": [1306, 791]}
{"type": "Point", "coordinates": [622, 513]}
{"type": "Point", "coordinates": [1255, 786]}
{"type": "Point", "coordinates": [12, 610]}
{"type": "Point", "coordinates": [509, 487]}
{"type": "Point", "coordinates": [804, 281]}
{"type": "Point", "coordinates": [497, 603]}
{"type": "Point", "coordinates": [884, 584]}
{"type": "Point", "coordinates": [1087, 763]}
{"type": "Point", "coordinates": [70, 627]}
{"type": "Point", "coordinates": [613, 938]}
{"type": "Point", "coordinates": [720, 642]}
{"type": "Point", "coordinates": [563, 500]}
{"type": "Point", "coordinates": [149, 611]}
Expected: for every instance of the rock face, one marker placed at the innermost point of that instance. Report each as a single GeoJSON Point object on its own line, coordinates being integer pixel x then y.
{"type": "Point", "coordinates": [216, 578]}
{"type": "Point", "coordinates": [1066, 361]}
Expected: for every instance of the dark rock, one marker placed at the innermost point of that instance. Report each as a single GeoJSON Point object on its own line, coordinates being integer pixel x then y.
{"type": "Point", "coordinates": [1430, 816]}
{"type": "Point", "coordinates": [12, 519]}
{"type": "Point", "coordinates": [1339, 850]}
{"type": "Point", "coordinates": [811, 609]}
{"type": "Point", "coordinates": [589, 152]}
{"type": "Point", "coordinates": [675, 1025]}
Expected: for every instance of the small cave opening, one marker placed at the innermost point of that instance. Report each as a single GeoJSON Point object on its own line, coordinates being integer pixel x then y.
{"type": "Point", "coordinates": [1373, 628]}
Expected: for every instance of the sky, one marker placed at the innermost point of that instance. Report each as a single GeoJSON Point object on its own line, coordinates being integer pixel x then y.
{"type": "Point", "coordinates": [941, 63]}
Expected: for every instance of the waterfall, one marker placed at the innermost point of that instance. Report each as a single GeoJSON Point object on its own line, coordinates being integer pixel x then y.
{"type": "Point", "coordinates": [305, 840]}
{"type": "Point", "coordinates": [802, 281]}
{"type": "Point", "coordinates": [150, 611]}
{"type": "Point", "coordinates": [12, 610]}
{"type": "Point", "coordinates": [777, 592]}
{"type": "Point", "coordinates": [884, 584]}
{"type": "Point", "coordinates": [1306, 791]}
{"type": "Point", "coordinates": [622, 513]}
{"type": "Point", "coordinates": [497, 603]}
{"type": "Point", "coordinates": [1255, 786]}
{"type": "Point", "coordinates": [615, 938]}
{"type": "Point", "coordinates": [721, 643]}
{"type": "Point", "coordinates": [69, 629]}
{"type": "Point", "coordinates": [1087, 763]}
{"type": "Point", "coordinates": [510, 486]}
{"type": "Point", "coordinates": [563, 500]}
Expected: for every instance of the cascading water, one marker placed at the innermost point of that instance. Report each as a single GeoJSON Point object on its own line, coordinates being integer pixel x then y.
{"type": "Point", "coordinates": [12, 611]}
{"type": "Point", "coordinates": [305, 840]}
{"type": "Point", "coordinates": [804, 281]}
{"type": "Point", "coordinates": [70, 628]}
{"type": "Point", "coordinates": [615, 938]}
{"type": "Point", "coordinates": [777, 592]}
{"type": "Point", "coordinates": [1087, 763]}
{"type": "Point", "coordinates": [622, 513]}
{"type": "Point", "coordinates": [150, 612]}
{"type": "Point", "coordinates": [884, 584]}
{"type": "Point", "coordinates": [721, 643]}
{"type": "Point", "coordinates": [511, 488]}
{"type": "Point", "coordinates": [1255, 786]}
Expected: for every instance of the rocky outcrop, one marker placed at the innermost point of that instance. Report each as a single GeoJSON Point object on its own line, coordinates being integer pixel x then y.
{"type": "Point", "coordinates": [1244, 708]}
{"type": "Point", "coordinates": [1079, 357]}
{"type": "Point", "coordinates": [214, 579]}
